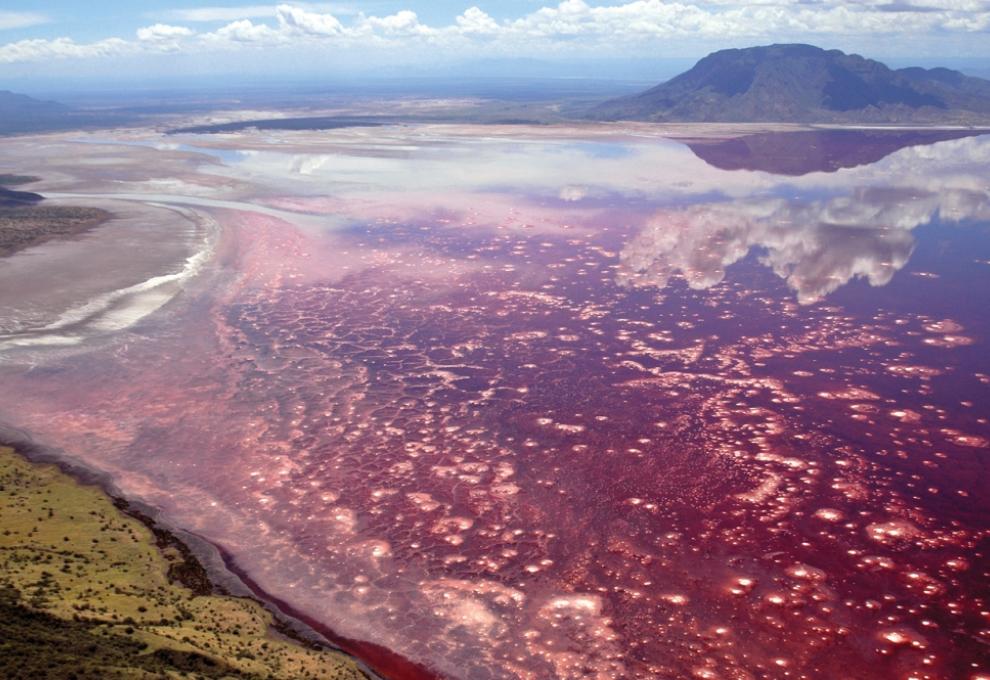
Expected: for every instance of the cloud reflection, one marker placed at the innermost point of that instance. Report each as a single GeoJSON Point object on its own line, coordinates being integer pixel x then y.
{"type": "Point", "coordinates": [814, 246]}
{"type": "Point", "coordinates": [817, 207]}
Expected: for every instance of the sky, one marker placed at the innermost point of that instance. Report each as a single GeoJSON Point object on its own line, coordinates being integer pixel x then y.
{"type": "Point", "coordinates": [160, 39]}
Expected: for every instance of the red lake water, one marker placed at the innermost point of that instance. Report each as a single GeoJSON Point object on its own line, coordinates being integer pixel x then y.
{"type": "Point", "coordinates": [518, 406]}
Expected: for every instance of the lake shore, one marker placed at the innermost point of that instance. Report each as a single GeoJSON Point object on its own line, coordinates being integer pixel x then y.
{"type": "Point", "coordinates": [194, 567]}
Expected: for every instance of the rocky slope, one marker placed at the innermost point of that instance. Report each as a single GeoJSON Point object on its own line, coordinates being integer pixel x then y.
{"type": "Point", "coordinates": [806, 84]}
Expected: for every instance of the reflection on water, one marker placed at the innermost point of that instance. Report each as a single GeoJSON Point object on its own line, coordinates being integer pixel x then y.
{"type": "Point", "coordinates": [546, 410]}
{"type": "Point", "coordinates": [800, 153]}
{"type": "Point", "coordinates": [816, 246]}
{"type": "Point", "coordinates": [229, 156]}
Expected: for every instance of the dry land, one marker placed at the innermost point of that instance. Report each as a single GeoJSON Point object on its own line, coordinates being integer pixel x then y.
{"type": "Point", "coordinates": [89, 591]}
{"type": "Point", "coordinates": [27, 226]}
{"type": "Point", "coordinates": [24, 223]}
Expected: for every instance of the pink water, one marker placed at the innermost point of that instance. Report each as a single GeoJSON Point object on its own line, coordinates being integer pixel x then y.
{"type": "Point", "coordinates": [530, 436]}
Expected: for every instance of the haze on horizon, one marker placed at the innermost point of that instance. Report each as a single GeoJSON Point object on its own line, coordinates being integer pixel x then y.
{"type": "Point", "coordinates": [177, 41]}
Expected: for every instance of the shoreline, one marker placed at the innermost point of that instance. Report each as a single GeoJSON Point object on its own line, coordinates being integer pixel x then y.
{"type": "Point", "coordinates": [210, 570]}
{"type": "Point", "coordinates": [392, 666]}
{"type": "Point", "coordinates": [205, 569]}
{"type": "Point", "coordinates": [105, 306]}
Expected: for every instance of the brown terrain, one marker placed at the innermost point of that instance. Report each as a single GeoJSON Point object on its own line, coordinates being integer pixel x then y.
{"type": "Point", "coordinates": [24, 223]}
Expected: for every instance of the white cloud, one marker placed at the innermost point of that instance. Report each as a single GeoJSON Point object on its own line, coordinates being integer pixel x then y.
{"type": "Point", "coordinates": [475, 20]}
{"type": "Point", "coordinates": [404, 23]}
{"type": "Point", "coordinates": [571, 25]}
{"type": "Point", "coordinates": [297, 19]}
{"type": "Point", "coordinates": [656, 18]}
{"type": "Point", "coordinates": [236, 13]}
{"type": "Point", "coordinates": [62, 48]}
{"type": "Point", "coordinates": [228, 14]}
{"type": "Point", "coordinates": [163, 32]}
{"type": "Point", "coordinates": [21, 19]}
{"type": "Point", "coordinates": [243, 31]}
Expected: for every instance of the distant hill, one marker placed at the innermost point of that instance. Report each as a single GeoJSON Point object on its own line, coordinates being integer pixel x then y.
{"type": "Point", "coordinates": [806, 84]}
{"type": "Point", "coordinates": [20, 113]}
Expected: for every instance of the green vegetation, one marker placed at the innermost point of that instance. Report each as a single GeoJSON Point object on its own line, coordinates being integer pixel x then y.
{"type": "Point", "coordinates": [88, 591]}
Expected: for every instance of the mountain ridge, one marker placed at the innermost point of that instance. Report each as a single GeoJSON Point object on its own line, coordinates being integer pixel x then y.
{"type": "Point", "coordinates": [21, 113]}
{"type": "Point", "coordinates": [802, 83]}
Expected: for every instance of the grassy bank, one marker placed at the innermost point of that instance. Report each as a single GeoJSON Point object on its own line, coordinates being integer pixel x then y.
{"type": "Point", "coordinates": [89, 591]}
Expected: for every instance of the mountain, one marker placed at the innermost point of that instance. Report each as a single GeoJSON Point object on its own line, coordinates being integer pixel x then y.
{"type": "Point", "coordinates": [805, 84]}
{"type": "Point", "coordinates": [20, 113]}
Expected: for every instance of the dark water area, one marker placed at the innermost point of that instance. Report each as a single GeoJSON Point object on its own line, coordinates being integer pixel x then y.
{"type": "Point", "coordinates": [558, 410]}
{"type": "Point", "coordinates": [311, 123]}
{"type": "Point", "coordinates": [803, 152]}
{"type": "Point", "coordinates": [9, 198]}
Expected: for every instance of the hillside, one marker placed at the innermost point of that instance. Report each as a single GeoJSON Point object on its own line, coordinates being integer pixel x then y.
{"type": "Point", "coordinates": [89, 591]}
{"type": "Point", "coordinates": [806, 84]}
{"type": "Point", "coordinates": [20, 113]}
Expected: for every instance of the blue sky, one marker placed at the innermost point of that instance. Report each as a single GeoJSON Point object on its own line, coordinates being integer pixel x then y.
{"type": "Point", "coordinates": [161, 38]}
